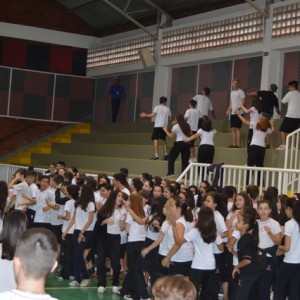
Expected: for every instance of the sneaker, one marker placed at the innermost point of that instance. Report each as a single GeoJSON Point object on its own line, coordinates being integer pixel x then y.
{"type": "Point", "coordinates": [84, 282]}
{"type": "Point", "coordinates": [170, 174]}
{"type": "Point", "coordinates": [60, 278]}
{"type": "Point", "coordinates": [72, 277]}
{"type": "Point", "coordinates": [237, 146]}
{"type": "Point", "coordinates": [128, 297]}
{"type": "Point", "coordinates": [231, 146]}
{"type": "Point", "coordinates": [281, 147]}
{"type": "Point", "coordinates": [268, 146]}
{"type": "Point", "coordinates": [194, 160]}
{"type": "Point", "coordinates": [101, 289]}
{"type": "Point", "coordinates": [155, 157]}
{"type": "Point", "coordinates": [116, 290]}
{"type": "Point", "coordinates": [166, 156]}
{"type": "Point", "coordinates": [74, 283]}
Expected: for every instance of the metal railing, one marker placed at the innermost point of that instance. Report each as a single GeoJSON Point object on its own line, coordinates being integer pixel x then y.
{"type": "Point", "coordinates": [286, 180]}
{"type": "Point", "coordinates": [291, 157]}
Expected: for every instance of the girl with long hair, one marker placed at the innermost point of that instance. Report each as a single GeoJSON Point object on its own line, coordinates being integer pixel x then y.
{"type": "Point", "coordinates": [257, 149]}
{"type": "Point", "coordinates": [134, 284]}
{"type": "Point", "coordinates": [83, 218]}
{"type": "Point", "coordinates": [206, 150]}
{"type": "Point", "coordinates": [180, 255]}
{"type": "Point", "coordinates": [203, 236]}
{"type": "Point", "coordinates": [181, 130]}
{"type": "Point", "coordinates": [254, 113]}
{"type": "Point", "coordinates": [111, 217]}
{"type": "Point", "coordinates": [289, 272]}
{"type": "Point", "coordinates": [248, 269]}
{"type": "Point", "coordinates": [15, 224]}
{"type": "Point", "coordinates": [214, 201]}
{"type": "Point", "coordinates": [269, 239]}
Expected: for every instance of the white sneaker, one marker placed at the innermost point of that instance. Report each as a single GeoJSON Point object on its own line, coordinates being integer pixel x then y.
{"type": "Point", "coordinates": [74, 283]}
{"type": "Point", "coordinates": [281, 147]}
{"type": "Point", "coordinates": [116, 290]}
{"type": "Point", "coordinates": [128, 297]}
{"type": "Point", "coordinates": [101, 289]}
{"type": "Point", "coordinates": [84, 282]}
{"type": "Point", "coordinates": [195, 160]}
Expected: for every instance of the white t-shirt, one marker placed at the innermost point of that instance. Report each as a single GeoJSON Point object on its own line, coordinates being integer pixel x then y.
{"type": "Point", "coordinates": [192, 115]}
{"type": "Point", "coordinates": [21, 295]}
{"type": "Point", "coordinates": [54, 213]}
{"type": "Point", "coordinates": [207, 137]}
{"type": "Point", "coordinates": [69, 206]}
{"type": "Point", "coordinates": [254, 116]}
{"type": "Point", "coordinates": [259, 137]}
{"type": "Point", "coordinates": [180, 136]}
{"type": "Point", "coordinates": [18, 190]}
{"type": "Point", "coordinates": [118, 216]}
{"type": "Point", "coordinates": [40, 215]}
{"type": "Point", "coordinates": [162, 115]}
{"type": "Point", "coordinates": [83, 216]}
{"type": "Point", "coordinates": [293, 100]}
{"type": "Point", "coordinates": [7, 278]}
{"type": "Point", "coordinates": [236, 234]}
{"type": "Point", "coordinates": [137, 232]}
{"type": "Point", "coordinates": [31, 193]}
{"type": "Point", "coordinates": [186, 250]}
{"type": "Point", "coordinates": [204, 258]}
{"type": "Point", "coordinates": [264, 239]}
{"type": "Point", "coordinates": [151, 234]}
{"type": "Point", "coordinates": [236, 96]}
{"type": "Point", "coordinates": [221, 227]}
{"type": "Point", "coordinates": [163, 248]}
{"type": "Point", "coordinates": [291, 229]}
{"type": "Point", "coordinates": [204, 105]}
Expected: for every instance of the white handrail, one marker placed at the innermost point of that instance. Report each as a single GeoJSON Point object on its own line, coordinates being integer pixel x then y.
{"type": "Point", "coordinates": [291, 157]}
{"type": "Point", "coordinates": [286, 180]}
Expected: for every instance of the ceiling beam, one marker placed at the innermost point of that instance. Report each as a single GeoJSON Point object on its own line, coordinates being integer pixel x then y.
{"type": "Point", "coordinates": [83, 5]}
{"type": "Point", "coordinates": [124, 14]}
{"type": "Point", "coordinates": [264, 13]}
{"type": "Point", "coordinates": [126, 5]}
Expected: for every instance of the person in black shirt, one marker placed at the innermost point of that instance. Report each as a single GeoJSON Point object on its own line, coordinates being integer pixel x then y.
{"type": "Point", "coordinates": [269, 101]}
{"type": "Point", "coordinates": [248, 268]}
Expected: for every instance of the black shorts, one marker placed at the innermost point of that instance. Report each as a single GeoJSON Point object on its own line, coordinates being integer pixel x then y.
{"type": "Point", "coordinates": [235, 121]}
{"type": "Point", "coordinates": [193, 141]}
{"type": "Point", "coordinates": [289, 125]}
{"type": "Point", "coordinates": [158, 133]}
{"type": "Point", "coordinates": [182, 268]}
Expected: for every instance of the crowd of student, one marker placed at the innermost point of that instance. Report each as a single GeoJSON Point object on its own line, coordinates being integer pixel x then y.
{"type": "Point", "coordinates": [245, 244]}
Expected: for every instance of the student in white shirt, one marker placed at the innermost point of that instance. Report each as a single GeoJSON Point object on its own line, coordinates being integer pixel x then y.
{"type": "Point", "coordinates": [134, 283]}
{"type": "Point", "coordinates": [203, 236]}
{"type": "Point", "coordinates": [42, 211]}
{"type": "Point", "coordinates": [257, 149]}
{"type": "Point", "coordinates": [161, 113]}
{"type": "Point", "coordinates": [214, 201]}
{"type": "Point", "coordinates": [288, 277]}
{"type": "Point", "coordinates": [237, 97]}
{"type": "Point", "coordinates": [181, 130]}
{"type": "Point", "coordinates": [192, 117]}
{"type": "Point", "coordinates": [30, 197]}
{"type": "Point", "coordinates": [269, 239]}
{"type": "Point", "coordinates": [30, 267]}
{"type": "Point", "coordinates": [83, 219]}
{"type": "Point", "coordinates": [14, 225]}
{"type": "Point", "coordinates": [254, 111]}
{"type": "Point", "coordinates": [180, 255]}
{"type": "Point", "coordinates": [206, 150]}
{"type": "Point", "coordinates": [20, 186]}
{"type": "Point", "coordinates": [67, 237]}
{"type": "Point", "coordinates": [110, 223]}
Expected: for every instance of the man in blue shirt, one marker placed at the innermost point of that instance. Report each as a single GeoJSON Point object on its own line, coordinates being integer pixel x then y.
{"type": "Point", "coordinates": [116, 92]}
